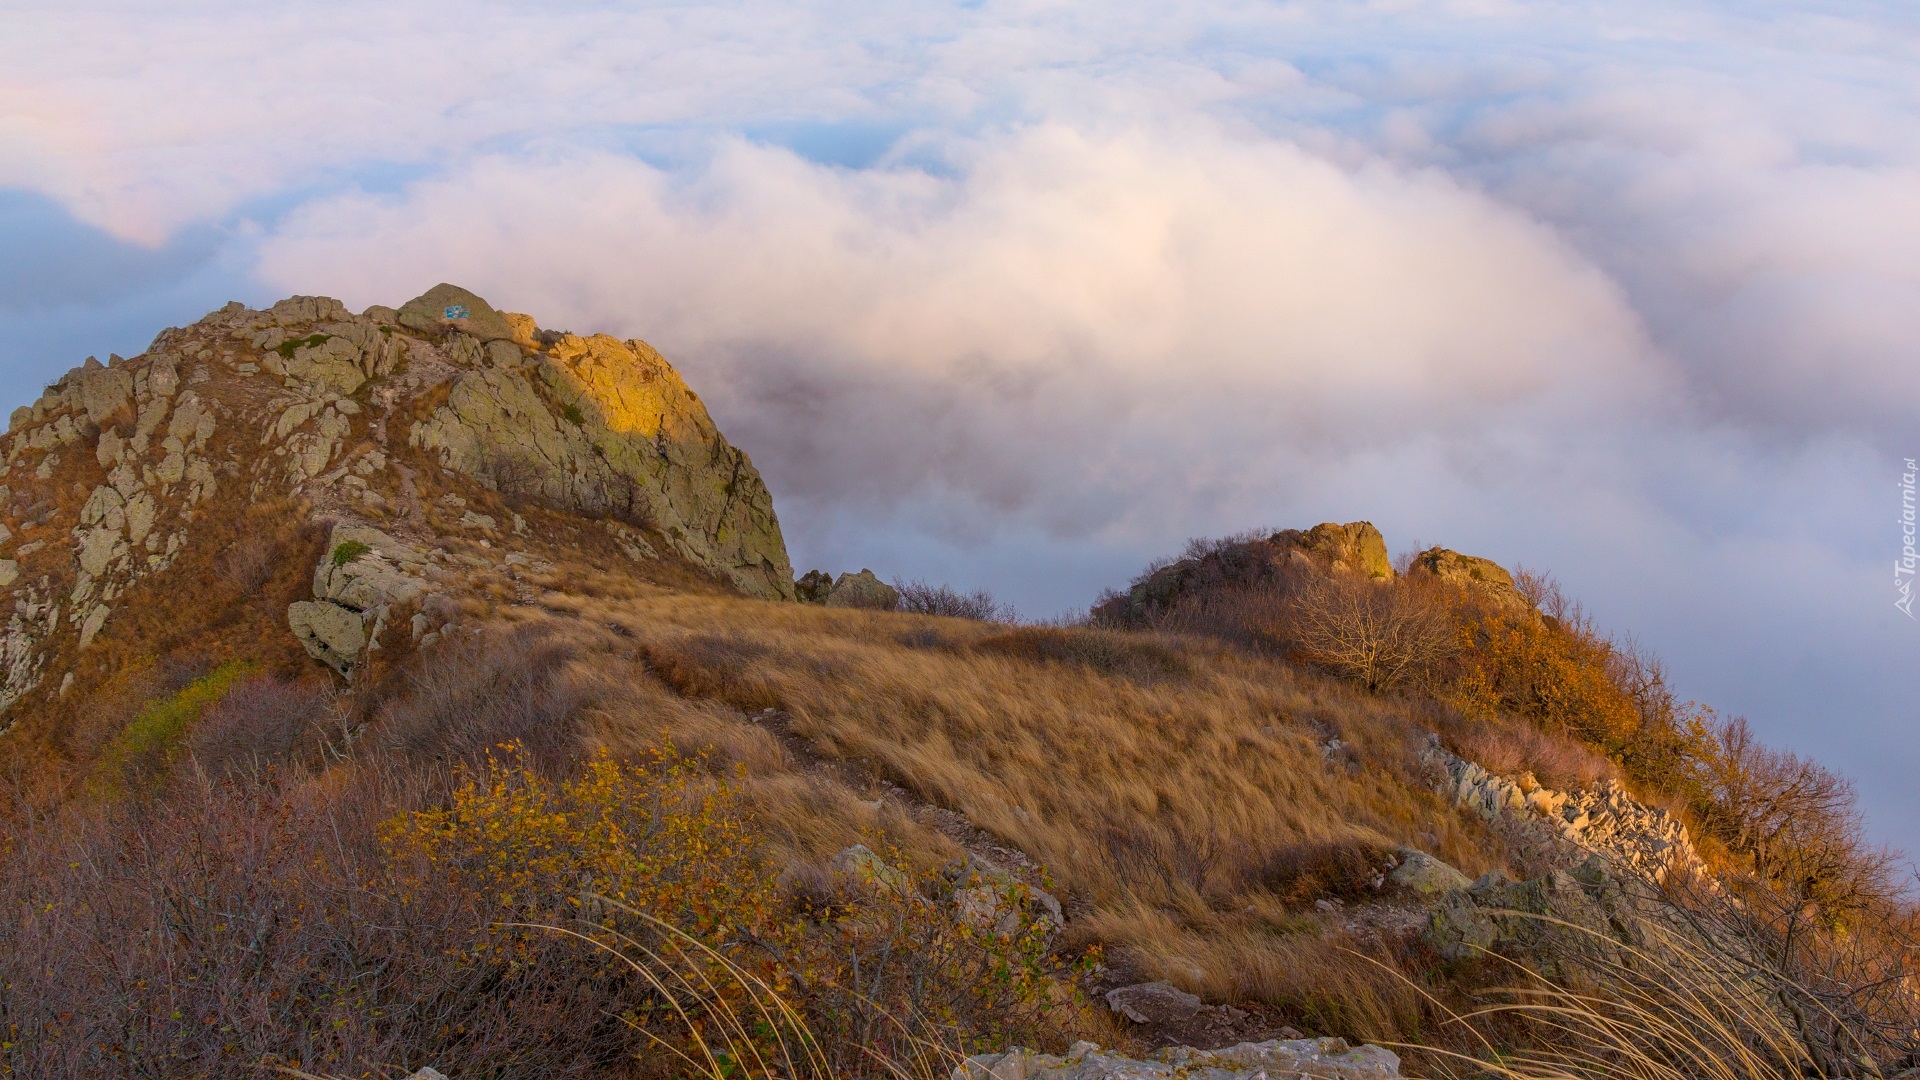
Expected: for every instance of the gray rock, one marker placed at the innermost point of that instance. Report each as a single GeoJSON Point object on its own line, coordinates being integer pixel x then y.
{"type": "Point", "coordinates": [1553, 915]}
{"type": "Point", "coordinates": [863, 590]}
{"type": "Point", "coordinates": [1154, 1003]}
{"type": "Point", "coordinates": [1426, 875]}
{"type": "Point", "coordinates": [609, 429]}
{"type": "Point", "coordinates": [308, 309]}
{"type": "Point", "coordinates": [98, 391]}
{"type": "Point", "coordinates": [96, 620]}
{"type": "Point", "coordinates": [429, 312]}
{"type": "Point", "coordinates": [331, 634]}
{"type": "Point", "coordinates": [813, 587]}
{"type": "Point", "coordinates": [862, 865]}
{"type": "Point", "coordinates": [388, 571]}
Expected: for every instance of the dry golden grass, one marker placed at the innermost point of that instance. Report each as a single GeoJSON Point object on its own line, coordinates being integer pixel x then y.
{"type": "Point", "coordinates": [1174, 787]}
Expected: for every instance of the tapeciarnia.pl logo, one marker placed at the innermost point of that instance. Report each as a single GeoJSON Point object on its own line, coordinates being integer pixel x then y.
{"type": "Point", "coordinates": [1903, 567]}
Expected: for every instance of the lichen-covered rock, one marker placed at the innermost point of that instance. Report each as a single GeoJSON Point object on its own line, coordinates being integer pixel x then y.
{"type": "Point", "coordinates": [608, 428]}
{"type": "Point", "coordinates": [1154, 1003]}
{"type": "Point", "coordinates": [1325, 1059]}
{"type": "Point", "coordinates": [987, 897]}
{"type": "Point", "coordinates": [368, 570]}
{"type": "Point", "coordinates": [863, 590]}
{"type": "Point", "coordinates": [860, 864]}
{"type": "Point", "coordinates": [1558, 914]}
{"type": "Point", "coordinates": [1421, 873]}
{"type": "Point", "coordinates": [1484, 576]}
{"type": "Point", "coordinates": [1356, 547]}
{"type": "Point", "coordinates": [813, 587]}
{"type": "Point", "coordinates": [331, 634]}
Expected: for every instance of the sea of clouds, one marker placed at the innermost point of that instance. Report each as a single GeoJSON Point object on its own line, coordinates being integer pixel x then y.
{"type": "Point", "coordinates": [1021, 295]}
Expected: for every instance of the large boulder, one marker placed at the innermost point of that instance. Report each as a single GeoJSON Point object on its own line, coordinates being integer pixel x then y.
{"type": "Point", "coordinates": [863, 590]}
{"type": "Point", "coordinates": [608, 428]}
{"type": "Point", "coordinates": [1356, 547]}
{"type": "Point", "coordinates": [1484, 576]}
{"type": "Point", "coordinates": [369, 571]}
{"type": "Point", "coordinates": [331, 634]}
{"type": "Point", "coordinates": [1543, 919]}
{"type": "Point", "coordinates": [451, 308]}
{"type": "Point", "coordinates": [1421, 873]}
{"type": "Point", "coordinates": [362, 577]}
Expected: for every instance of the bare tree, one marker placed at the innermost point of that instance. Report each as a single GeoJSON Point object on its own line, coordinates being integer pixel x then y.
{"type": "Point", "coordinates": [1381, 635]}
{"type": "Point", "coordinates": [924, 599]}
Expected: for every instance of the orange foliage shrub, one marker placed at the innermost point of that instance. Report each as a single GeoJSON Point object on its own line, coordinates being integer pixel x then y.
{"type": "Point", "coordinates": [661, 838]}
{"type": "Point", "coordinates": [1556, 675]}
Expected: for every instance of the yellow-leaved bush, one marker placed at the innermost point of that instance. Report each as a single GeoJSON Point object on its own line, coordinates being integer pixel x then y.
{"type": "Point", "coordinates": [661, 836]}
{"type": "Point", "coordinates": [591, 862]}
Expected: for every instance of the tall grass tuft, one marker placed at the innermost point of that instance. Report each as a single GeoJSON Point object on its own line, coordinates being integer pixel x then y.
{"type": "Point", "coordinates": [1675, 1001]}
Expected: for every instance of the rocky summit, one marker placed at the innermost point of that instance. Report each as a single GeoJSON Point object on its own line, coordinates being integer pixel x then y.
{"type": "Point", "coordinates": [367, 426]}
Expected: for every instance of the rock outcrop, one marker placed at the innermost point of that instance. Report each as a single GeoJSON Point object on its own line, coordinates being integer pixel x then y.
{"type": "Point", "coordinates": [1484, 576]}
{"type": "Point", "coordinates": [1354, 548]}
{"type": "Point", "coordinates": [601, 427]}
{"type": "Point", "coordinates": [112, 473]}
{"type": "Point", "coordinates": [1562, 914]}
{"type": "Point", "coordinates": [1324, 1059]}
{"type": "Point", "coordinates": [861, 590]}
{"type": "Point", "coordinates": [137, 443]}
{"type": "Point", "coordinates": [1646, 841]}
{"type": "Point", "coordinates": [364, 576]}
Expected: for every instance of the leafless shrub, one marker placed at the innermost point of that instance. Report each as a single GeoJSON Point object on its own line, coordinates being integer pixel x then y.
{"type": "Point", "coordinates": [478, 691]}
{"type": "Point", "coordinates": [920, 598]}
{"type": "Point", "coordinates": [1383, 636]}
{"type": "Point", "coordinates": [228, 923]}
{"type": "Point", "coordinates": [1794, 823]}
{"type": "Point", "coordinates": [249, 563]}
{"type": "Point", "coordinates": [1301, 873]}
{"type": "Point", "coordinates": [265, 722]}
{"type": "Point", "coordinates": [1511, 746]}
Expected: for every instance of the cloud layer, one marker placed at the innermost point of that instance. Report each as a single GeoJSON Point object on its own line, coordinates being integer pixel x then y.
{"type": "Point", "coordinates": [1021, 294]}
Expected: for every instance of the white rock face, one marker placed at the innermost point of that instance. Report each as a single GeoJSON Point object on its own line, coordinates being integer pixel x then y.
{"type": "Point", "coordinates": [363, 576]}
{"type": "Point", "coordinates": [1326, 1059]}
{"type": "Point", "coordinates": [1645, 840]}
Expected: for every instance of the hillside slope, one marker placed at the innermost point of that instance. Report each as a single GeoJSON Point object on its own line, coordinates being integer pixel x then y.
{"type": "Point", "coordinates": [348, 651]}
{"type": "Point", "coordinates": [217, 466]}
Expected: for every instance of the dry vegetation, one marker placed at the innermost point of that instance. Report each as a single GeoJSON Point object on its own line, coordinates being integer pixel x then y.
{"type": "Point", "coordinates": [218, 857]}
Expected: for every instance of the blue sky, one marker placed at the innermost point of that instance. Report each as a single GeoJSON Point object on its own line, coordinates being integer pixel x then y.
{"type": "Point", "coordinates": [1021, 295]}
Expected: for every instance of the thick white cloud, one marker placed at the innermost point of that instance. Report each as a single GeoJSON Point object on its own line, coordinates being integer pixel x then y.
{"type": "Point", "coordinates": [1147, 306]}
